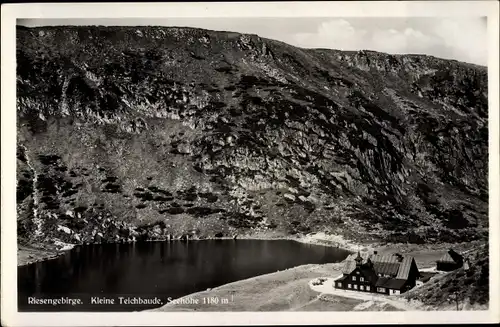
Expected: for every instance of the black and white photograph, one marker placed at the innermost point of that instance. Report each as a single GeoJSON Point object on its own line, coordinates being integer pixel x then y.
{"type": "Point", "coordinates": [314, 164]}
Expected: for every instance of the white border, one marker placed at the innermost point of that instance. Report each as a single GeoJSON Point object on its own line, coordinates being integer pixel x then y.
{"type": "Point", "coordinates": [279, 9]}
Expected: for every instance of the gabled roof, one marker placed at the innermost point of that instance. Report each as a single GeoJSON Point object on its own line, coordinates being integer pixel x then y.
{"type": "Point", "coordinates": [456, 256]}
{"type": "Point", "coordinates": [404, 268]}
{"type": "Point", "coordinates": [386, 268]}
{"type": "Point", "coordinates": [382, 264]}
{"type": "Point", "coordinates": [349, 266]}
{"type": "Point", "coordinates": [385, 264]}
{"type": "Point", "coordinates": [388, 258]}
{"type": "Point", "coordinates": [451, 257]}
{"type": "Point", "coordinates": [446, 258]}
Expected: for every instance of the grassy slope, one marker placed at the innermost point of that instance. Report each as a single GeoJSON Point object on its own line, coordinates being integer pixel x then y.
{"type": "Point", "coordinates": [471, 286]}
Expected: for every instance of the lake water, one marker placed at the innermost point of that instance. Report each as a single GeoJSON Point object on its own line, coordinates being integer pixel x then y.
{"type": "Point", "coordinates": [155, 269]}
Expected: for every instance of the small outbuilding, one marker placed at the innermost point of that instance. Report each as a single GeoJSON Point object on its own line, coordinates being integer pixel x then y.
{"type": "Point", "coordinates": [451, 260]}
{"type": "Point", "coordinates": [424, 278]}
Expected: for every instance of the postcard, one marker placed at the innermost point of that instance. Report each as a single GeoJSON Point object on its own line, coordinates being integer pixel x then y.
{"type": "Point", "coordinates": [250, 163]}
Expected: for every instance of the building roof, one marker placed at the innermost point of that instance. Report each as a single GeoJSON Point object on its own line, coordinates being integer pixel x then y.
{"type": "Point", "coordinates": [404, 268]}
{"type": "Point", "coordinates": [382, 264]}
{"type": "Point", "coordinates": [446, 258]}
{"type": "Point", "coordinates": [382, 281]}
{"type": "Point", "coordinates": [385, 264]}
{"type": "Point", "coordinates": [349, 266]}
{"type": "Point", "coordinates": [392, 283]}
{"type": "Point", "coordinates": [386, 268]}
{"type": "Point", "coordinates": [451, 257]}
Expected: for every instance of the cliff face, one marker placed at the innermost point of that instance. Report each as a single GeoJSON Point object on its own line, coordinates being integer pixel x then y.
{"type": "Point", "coordinates": [142, 132]}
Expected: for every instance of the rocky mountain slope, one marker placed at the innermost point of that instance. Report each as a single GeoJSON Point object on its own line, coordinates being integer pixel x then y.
{"type": "Point", "coordinates": [142, 132]}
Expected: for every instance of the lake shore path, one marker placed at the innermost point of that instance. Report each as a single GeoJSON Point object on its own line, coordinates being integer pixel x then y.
{"type": "Point", "coordinates": [328, 288]}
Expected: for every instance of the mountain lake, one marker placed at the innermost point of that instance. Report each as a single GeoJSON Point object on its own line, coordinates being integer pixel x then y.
{"type": "Point", "coordinates": [98, 275]}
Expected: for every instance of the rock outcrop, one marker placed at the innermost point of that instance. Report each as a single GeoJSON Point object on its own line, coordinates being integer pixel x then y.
{"type": "Point", "coordinates": [144, 132]}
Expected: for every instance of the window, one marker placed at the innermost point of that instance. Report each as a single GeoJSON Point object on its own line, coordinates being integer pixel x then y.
{"type": "Point", "coordinates": [362, 279]}
{"type": "Point", "coordinates": [353, 277]}
{"type": "Point", "coordinates": [355, 286]}
{"type": "Point", "coordinates": [381, 289]}
{"type": "Point", "coordinates": [357, 272]}
{"type": "Point", "coordinates": [339, 284]}
{"type": "Point", "coordinates": [362, 287]}
{"type": "Point", "coordinates": [367, 288]}
{"type": "Point", "coordinates": [348, 285]}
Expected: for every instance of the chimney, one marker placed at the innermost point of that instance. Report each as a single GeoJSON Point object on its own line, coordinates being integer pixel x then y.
{"type": "Point", "coordinates": [374, 252]}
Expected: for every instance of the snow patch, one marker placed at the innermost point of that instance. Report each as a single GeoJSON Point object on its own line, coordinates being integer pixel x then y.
{"type": "Point", "coordinates": [63, 246]}
{"type": "Point", "coordinates": [64, 229]}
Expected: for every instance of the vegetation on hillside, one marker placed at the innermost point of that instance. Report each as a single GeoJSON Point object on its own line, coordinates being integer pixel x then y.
{"type": "Point", "coordinates": [143, 132]}
{"type": "Point", "coordinates": [470, 288]}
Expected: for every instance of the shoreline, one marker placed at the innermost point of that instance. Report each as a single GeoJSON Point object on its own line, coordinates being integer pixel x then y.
{"type": "Point", "coordinates": [275, 282]}
{"type": "Point", "coordinates": [320, 238]}
{"type": "Point", "coordinates": [294, 280]}
{"type": "Point", "coordinates": [27, 255]}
